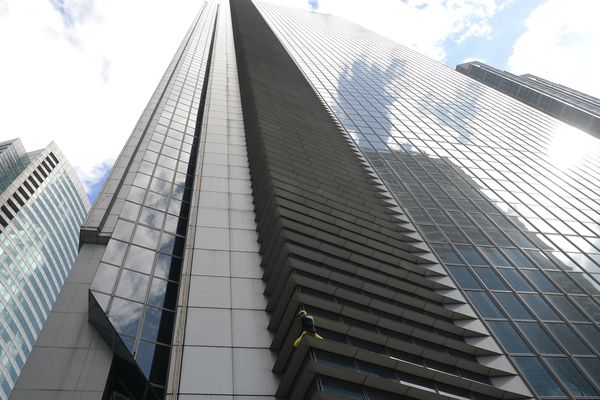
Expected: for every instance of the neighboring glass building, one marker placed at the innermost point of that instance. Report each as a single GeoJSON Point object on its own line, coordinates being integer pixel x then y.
{"type": "Point", "coordinates": [42, 204]}
{"type": "Point", "coordinates": [571, 106]}
{"type": "Point", "coordinates": [445, 237]}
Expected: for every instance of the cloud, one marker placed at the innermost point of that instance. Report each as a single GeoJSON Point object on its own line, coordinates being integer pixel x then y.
{"type": "Point", "coordinates": [94, 180]}
{"type": "Point", "coordinates": [561, 44]}
{"type": "Point", "coordinates": [422, 26]}
{"type": "Point", "coordinates": [471, 59]}
{"type": "Point", "coordinates": [314, 4]}
{"type": "Point", "coordinates": [80, 75]}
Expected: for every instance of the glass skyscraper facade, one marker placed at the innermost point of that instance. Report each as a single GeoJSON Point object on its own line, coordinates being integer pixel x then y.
{"type": "Point", "coordinates": [445, 237]}
{"type": "Point", "coordinates": [571, 106]}
{"type": "Point", "coordinates": [42, 204]}
{"type": "Point", "coordinates": [506, 196]}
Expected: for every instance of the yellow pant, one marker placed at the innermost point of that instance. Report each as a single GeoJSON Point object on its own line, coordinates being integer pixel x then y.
{"type": "Point", "coordinates": [297, 341]}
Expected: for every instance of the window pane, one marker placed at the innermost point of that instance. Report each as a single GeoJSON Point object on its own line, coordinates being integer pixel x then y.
{"type": "Point", "coordinates": [323, 357]}
{"type": "Point", "coordinates": [486, 307]}
{"type": "Point", "coordinates": [376, 370]}
{"type": "Point", "coordinates": [539, 306]}
{"type": "Point", "coordinates": [573, 380]}
{"type": "Point", "coordinates": [568, 339]}
{"type": "Point", "coordinates": [539, 338]}
{"type": "Point", "coordinates": [566, 308]}
{"type": "Point", "coordinates": [464, 277]}
{"type": "Point", "coordinates": [512, 306]}
{"type": "Point", "coordinates": [508, 337]}
{"type": "Point", "coordinates": [515, 279]}
{"type": "Point", "coordinates": [538, 377]}
{"type": "Point", "coordinates": [591, 366]}
{"type": "Point", "coordinates": [591, 333]}
{"type": "Point", "coordinates": [490, 278]}
{"type": "Point", "coordinates": [342, 388]}
{"type": "Point", "coordinates": [542, 283]}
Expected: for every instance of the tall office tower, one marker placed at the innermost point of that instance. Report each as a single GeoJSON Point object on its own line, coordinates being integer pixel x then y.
{"type": "Point", "coordinates": [571, 106]}
{"type": "Point", "coordinates": [42, 204]}
{"type": "Point", "coordinates": [444, 236]}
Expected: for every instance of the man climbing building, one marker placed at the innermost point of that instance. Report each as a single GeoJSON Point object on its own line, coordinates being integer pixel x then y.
{"type": "Point", "coordinates": [308, 327]}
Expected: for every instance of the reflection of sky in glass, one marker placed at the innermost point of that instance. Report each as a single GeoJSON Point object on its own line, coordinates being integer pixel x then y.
{"type": "Point", "coordinates": [487, 179]}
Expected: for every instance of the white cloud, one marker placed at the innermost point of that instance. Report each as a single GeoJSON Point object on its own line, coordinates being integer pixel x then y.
{"type": "Point", "coordinates": [421, 25]}
{"type": "Point", "coordinates": [561, 43]}
{"type": "Point", "coordinates": [85, 84]}
{"type": "Point", "coordinates": [83, 77]}
{"type": "Point", "coordinates": [470, 59]}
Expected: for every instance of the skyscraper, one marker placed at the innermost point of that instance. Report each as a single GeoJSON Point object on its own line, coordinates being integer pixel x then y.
{"type": "Point", "coordinates": [42, 204]}
{"type": "Point", "coordinates": [571, 106]}
{"type": "Point", "coordinates": [444, 236]}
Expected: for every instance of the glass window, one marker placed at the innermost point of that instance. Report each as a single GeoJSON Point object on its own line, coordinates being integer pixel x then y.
{"type": "Point", "coordinates": [376, 370]}
{"type": "Point", "coordinates": [490, 278]}
{"type": "Point", "coordinates": [115, 250]}
{"type": "Point", "coordinates": [486, 307]}
{"type": "Point", "coordinates": [538, 377]}
{"type": "Point", "coordinates": [446, 254]}
{"type": "Point", "coordinates": [416, 381]}
{"type": "Point", "coordinates": [512, 306]}
{"type": "Point", "coordinates": [591, 366]}
{"type": "Point", "coordinates": [571, 377]}
{"type": "Point", "coordinates": [153, 359]}
{"type": "Point", "coordinates": [324, 357]}
{"type": "Point", "coordinates": [374, 394]}
{"type": "Point", "coordinates": [508, 337]}
{"type": "Point", "coordinates": [163, 294]}
{"type": "Point", "coordinates": [515, 279]}
{"type": "Point", "coordinates": [125, 316]}
{"type": "Point", "coordinates": [541, 283]}
{"type": "Point", "coordinates": [463, 277]}
{"type": "Point", "coordinates": [566, 308]}
{"type": "Point", "coordinates": [139, 259]}
{"type": "Point", "coordinates": [589, 306]}
{"type": "Point", "coordinates": [471, 255]}
{"type": "Point", "coordinates": [146, 237]}
{"type": "Point", "coordinates": [563, 281]}
{"type": "Point", "coordinates": [342, 388]}
{"type": "Point", "coordinates": [432, 233]}
{"type": "Point", "coordinates": [132, 285]}
{"type": "Point", "coordinates": [539, 306]}
{"type": "Point", "coordinates": [518, 258]}
{"type": "Point", "coordinates": [123, 230]}
{"type": "Point", "coordinates": [495, 257]}
{"type": "Point", "coordinates": [158, 325]}
{"type": "Point", "coordinates": [591, 334]}
{"type": "Point", "coordinates": [105, 278]}
{"type": "Point", "coordinates": [539, 338]}
{"type": "Point", "coordinates": [151, 217]}
{"type": "Point", "coordinates": [568, 339]}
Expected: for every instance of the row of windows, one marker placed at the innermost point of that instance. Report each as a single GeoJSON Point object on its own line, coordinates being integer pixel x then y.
{"type": "Point", "coordinates": [45, 167]}
{"type": "Point", "coordinates": [137, 281]}
{"type": "Point", "coordinates": [37, 249]}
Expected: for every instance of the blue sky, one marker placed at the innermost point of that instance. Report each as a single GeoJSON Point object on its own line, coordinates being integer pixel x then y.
{"type": "Point", "coordinates": [494, 49]}
{"type": "Point", "coordinates": [88, 74]}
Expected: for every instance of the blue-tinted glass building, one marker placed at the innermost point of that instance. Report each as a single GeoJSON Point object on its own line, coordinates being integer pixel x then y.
{"type": "Point", "coordinates": [568, 105]}
{"type": "Point", "coordinates": [42, 204]}
{"type": "Point", "coordinates": [444, 236]}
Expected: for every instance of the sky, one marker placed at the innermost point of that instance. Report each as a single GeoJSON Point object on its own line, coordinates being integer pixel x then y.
{"type": "Point", "coordinates": [80, 72]}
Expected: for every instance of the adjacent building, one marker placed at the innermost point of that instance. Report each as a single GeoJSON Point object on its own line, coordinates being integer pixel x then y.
{"type": "Point", "coordinates": [42, 205]}
{"type": "Point", "coordinates": [444, 236]}
{"type": "Point", "coordinates": [568, 105]}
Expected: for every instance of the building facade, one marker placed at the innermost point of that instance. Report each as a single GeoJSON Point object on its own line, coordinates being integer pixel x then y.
{"type": "Point", "coordinates": [42, 205]}
{"type": "Point", "coordinates": [568, 105]}
{"type": "Point", "coordinates": [443, 235]}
